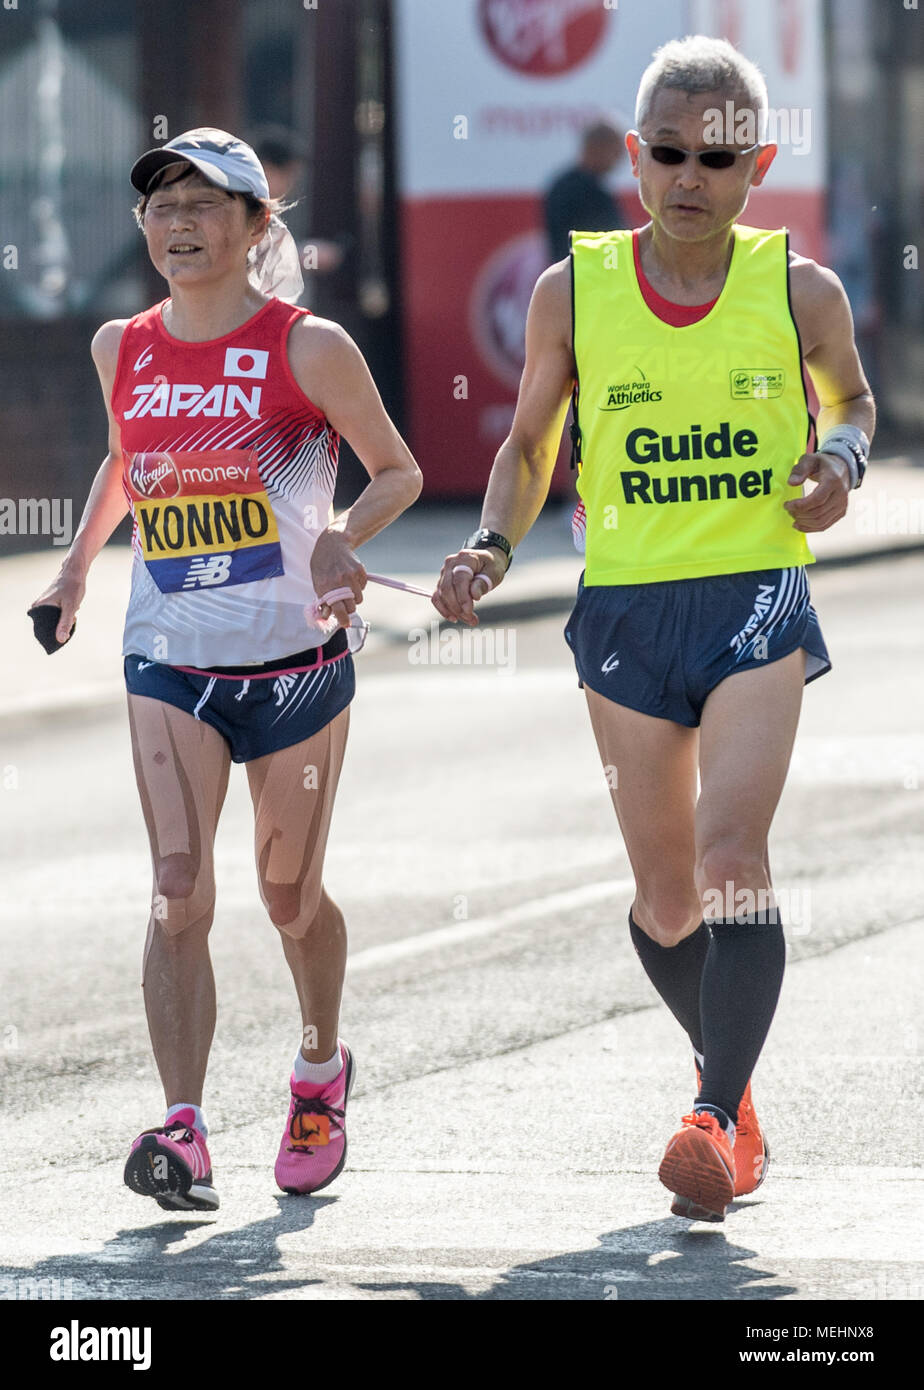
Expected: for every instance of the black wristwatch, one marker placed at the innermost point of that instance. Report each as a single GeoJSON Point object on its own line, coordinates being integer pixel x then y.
{"type": "Point", "coordinates": [480, 540]}
{"type": "Point", "coordinates": [840, 448]}
{"type": "Point", "coordinates": [860, 458]}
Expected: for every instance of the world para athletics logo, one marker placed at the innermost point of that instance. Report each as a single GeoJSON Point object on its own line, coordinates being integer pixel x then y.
{"type": "Point", "coordinates": [638, 391]}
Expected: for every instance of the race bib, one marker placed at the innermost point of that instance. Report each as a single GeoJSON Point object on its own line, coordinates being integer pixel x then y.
{"type": "Point", "coordinates": [203, 518]}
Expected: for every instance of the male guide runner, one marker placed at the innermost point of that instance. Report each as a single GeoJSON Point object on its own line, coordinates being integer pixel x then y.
{"type": "Point", "coordinates": [226, 405]}
{"type": "Point", "coordinates": [693, 633]}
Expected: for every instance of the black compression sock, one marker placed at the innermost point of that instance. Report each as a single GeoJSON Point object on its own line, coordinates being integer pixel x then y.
{"type": "Point", "coordinates": [742, 977]}
{"type": "Point", "coordinates": [676, 973]}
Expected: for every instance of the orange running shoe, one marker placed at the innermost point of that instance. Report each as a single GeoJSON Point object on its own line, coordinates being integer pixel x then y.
{"type": "Point", "coordinates": [752, 1152]}
{"type": "Point", "coordinates": [698, 1167]}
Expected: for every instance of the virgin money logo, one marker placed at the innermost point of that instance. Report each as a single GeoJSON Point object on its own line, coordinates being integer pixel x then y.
{"type": "Point", "coordinates": [154, 475]}
{"type": "Point", "coordinates": [543, 38]}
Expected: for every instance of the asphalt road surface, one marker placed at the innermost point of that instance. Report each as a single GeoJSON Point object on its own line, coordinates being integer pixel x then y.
{"type": "Point", "coordinates": [517, 1077]}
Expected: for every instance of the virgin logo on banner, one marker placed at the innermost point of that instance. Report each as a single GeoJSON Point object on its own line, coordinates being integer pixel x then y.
{"type": "Point", "coordinates": [499, 301]}
{"type": "Point", "coordinates": [543, 37]}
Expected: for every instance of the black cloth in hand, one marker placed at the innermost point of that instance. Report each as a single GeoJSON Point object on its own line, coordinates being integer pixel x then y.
{"type": "Point", "coordinates": [45, 619]}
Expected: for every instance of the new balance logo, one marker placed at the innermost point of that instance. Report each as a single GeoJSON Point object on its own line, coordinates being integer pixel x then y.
{"type": "Point", "coordinates": [205, 570]}
{"type": "Point", "coordinates": [612, 661]}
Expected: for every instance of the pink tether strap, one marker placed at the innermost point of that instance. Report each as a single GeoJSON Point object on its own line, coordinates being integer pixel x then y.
{"type": "Point", "coordinates": [335, 595]}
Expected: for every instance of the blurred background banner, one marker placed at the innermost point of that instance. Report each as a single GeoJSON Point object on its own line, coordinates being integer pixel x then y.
{"type": "Point", "coordinates": [481, 134]}
{"type": "Point", "coordinates": [420, 140]}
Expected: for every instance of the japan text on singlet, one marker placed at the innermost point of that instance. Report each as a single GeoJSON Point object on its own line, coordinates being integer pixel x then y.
{"type": "Point", "coordinates": [230, 472]}
{"type": "Point", "coordinates": [688, 435]}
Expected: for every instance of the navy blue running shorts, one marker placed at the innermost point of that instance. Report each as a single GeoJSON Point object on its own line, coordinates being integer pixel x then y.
{"type": "Point", "coordinates": [661, 648]}
{"type": "Point", "coordinates": [256, 713]}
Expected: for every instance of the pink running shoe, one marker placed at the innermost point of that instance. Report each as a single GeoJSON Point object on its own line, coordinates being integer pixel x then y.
{"type": "Point", "coordinates": [313, 1148]}
{"type": "Point", "coordinates": [172, 1165]}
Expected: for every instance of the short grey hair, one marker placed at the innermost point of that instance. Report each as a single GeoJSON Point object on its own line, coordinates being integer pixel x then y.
{"type": "Point", "coordinates": [699, 63]}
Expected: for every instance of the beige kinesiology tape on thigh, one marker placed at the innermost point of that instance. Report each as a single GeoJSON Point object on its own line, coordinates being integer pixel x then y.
{"type": "Point", "coordinates": [293, 802]}
{"type": "Point", "coordinates": [182, 769]}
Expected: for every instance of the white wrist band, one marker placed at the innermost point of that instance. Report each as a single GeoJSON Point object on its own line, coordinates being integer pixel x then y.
{"type": "Point", "coordinates": [840, 441]}
{"type": "Point", "coordinates": [851, 434]}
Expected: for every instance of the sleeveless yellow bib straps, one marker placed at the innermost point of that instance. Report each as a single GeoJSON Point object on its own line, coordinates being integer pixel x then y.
{"type": "Point", "coordinates": [688, 435]}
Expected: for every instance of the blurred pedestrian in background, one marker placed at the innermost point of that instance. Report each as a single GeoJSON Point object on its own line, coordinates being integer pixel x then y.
{"type": "Point", "coordinates": [578, 199]}
{"type": "Point", "coordinates": [284, 156]}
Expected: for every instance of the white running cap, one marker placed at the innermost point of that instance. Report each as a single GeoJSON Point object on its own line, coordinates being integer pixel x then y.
{"type": "Point", "coordinates": [221, 158]}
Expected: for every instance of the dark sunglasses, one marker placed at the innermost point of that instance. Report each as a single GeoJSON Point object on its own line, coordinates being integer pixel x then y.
{"type": "Point", "coordinates": [710, 159]}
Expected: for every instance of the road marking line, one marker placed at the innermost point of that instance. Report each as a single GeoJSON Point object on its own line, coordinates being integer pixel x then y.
{"type": "Point", "coordinates": [534, 910]}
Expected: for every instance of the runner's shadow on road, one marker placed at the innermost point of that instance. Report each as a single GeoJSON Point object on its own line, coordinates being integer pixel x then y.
{"type": "Point", "coordinates": [144, 1261]}
{"type": "Point", "coordinates": [661, 1260]}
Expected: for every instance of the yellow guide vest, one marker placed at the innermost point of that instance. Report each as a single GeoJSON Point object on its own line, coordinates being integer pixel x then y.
{"type": "Point", "coordinates": [688, 435]}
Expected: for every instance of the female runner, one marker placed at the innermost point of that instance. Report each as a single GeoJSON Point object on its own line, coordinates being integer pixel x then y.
{"type": "Point", "coordinates": [226, 406]}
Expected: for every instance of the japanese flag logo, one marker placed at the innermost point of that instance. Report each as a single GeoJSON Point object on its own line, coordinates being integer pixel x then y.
{"type": "Point", "coordinates": [250, 362]}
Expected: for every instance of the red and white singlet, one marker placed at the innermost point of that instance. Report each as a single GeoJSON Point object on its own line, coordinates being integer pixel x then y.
{"type": "Point", "coordinates": [230, 473]}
